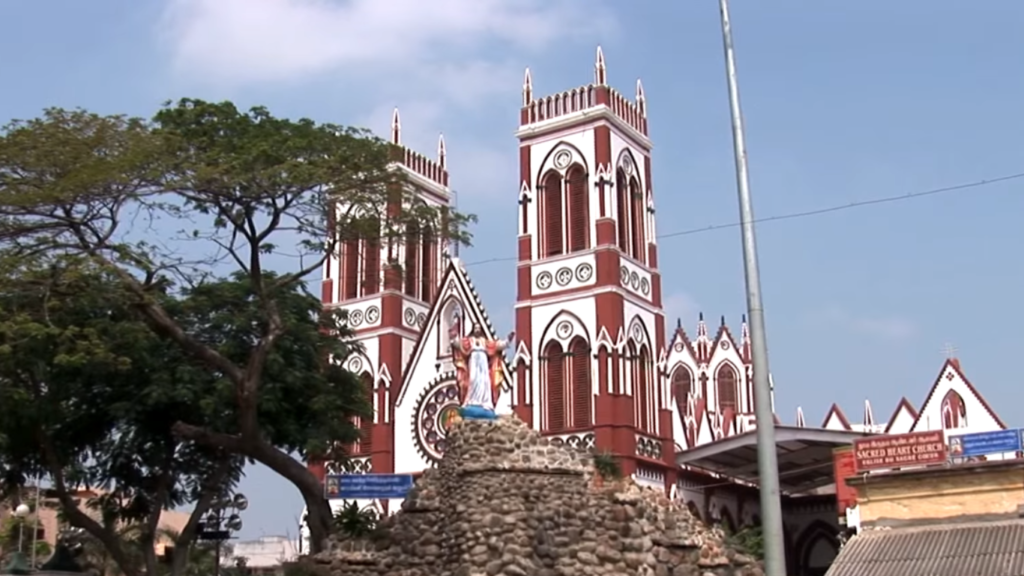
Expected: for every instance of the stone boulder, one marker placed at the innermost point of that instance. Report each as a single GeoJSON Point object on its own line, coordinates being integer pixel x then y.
{"type": "Point", "coordinates": [506, 501]}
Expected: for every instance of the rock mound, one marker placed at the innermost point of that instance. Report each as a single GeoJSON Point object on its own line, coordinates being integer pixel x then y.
{"type": "Point", "coordinates": [506, 502]}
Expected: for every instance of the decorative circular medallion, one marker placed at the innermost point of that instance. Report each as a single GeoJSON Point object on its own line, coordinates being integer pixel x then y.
{"type": "Point", "coordinates": [372, 315]}
{"type": "Point", "coordinates": [409, 316]}
{"type": "Point", "coordinates": [645, 286]}
{"type": "Point", "coordinates": [563, 276]}
{"type": "Point", "coordinates": [355, 318]}
{"type": "Point", "coordinates": [562, 159]}
{"type": "Point", "coordinates": [627, 164]}
{"type": "Point", "coordinates": [624, 272]}
{"type": "Point", "coordinates": [679, 347]}
{"type": "Point", "coordinates": [544, 280]}
{"type": "Point", "coordinates": [355, 364]}
{"type": "Point", "coordinates": [638, 333]}
{"type": "Point", "coordinates": [435, 412]}
{"type": "Point", "coordinates": [421, 319]}
{"type": "Point", "coordinates": [634, 280]}
{"type": "Point", "coordinates": [564, 329]}
{"type": "Point", "coordinates": [725, 345]}
{"type": "Point", "coordinates": [584, 272]}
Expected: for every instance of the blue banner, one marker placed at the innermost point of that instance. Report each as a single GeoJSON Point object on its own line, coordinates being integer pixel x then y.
{"type": "Point", "coordinates": [985, 443]}
{"type": "Point", "coordinates": [367, 486]}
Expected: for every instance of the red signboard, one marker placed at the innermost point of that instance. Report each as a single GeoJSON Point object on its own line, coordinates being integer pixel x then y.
{"type": "Point", "coordinates": [844, 466]}
{"type": "Point", "coordinates": [899, 450]}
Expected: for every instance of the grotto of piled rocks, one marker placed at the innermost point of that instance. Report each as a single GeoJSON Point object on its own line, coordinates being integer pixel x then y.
{"type": "Point", "coordinates": [505, 501]}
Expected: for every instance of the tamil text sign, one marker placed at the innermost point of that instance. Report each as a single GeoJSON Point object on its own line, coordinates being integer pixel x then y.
{"type": "Point", "coordinates": [899, 450]}
{"type": "Point", "coordinates": [985, 443]}
{"type": "Point", "coordinates": [367, 486]}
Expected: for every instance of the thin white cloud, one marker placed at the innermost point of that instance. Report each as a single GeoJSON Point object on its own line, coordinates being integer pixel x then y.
{"type": "Point", "coordinates": [682, 306]}
{"type": "Point", "coordinates": [888, 328]}
{"type": "Point", "coordinates": [259, 41]}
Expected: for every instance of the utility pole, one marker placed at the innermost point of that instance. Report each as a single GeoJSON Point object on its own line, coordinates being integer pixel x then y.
{"type": "Point", "coordinates": [767, 461]}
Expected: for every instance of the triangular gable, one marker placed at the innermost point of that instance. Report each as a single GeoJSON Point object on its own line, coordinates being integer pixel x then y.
{"type": "Point", "coordinates": [836, 419]}
{"type": "Point", "coordinates": [951, 377]}
{"type": "Point", "coordinates": [455, 284]}
{"type": "Point", "coordinates": [902, 419]}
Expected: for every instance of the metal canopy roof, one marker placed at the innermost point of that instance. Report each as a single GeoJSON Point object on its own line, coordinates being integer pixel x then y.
{"type": "Point", "coordinates": [804, 454]}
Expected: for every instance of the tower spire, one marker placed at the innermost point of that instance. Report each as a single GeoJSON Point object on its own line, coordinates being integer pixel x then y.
{"type": "Point", "coordinates": [641, 100]}
{"type": "Point", "coordinates": [527, 88]}
{"type": "Point", "coordinates": [442, 152]}
{"type": "Point", "coordinates": [600, 70]}
{"type": "Point", "coordinates": [396, 128]}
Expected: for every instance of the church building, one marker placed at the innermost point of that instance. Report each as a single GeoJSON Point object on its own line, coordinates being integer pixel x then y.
{"type": "Point", "coordinates": [593, 363]}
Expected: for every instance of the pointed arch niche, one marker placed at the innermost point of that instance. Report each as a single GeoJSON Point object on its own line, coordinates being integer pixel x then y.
{"type": "Point", "coordinates": [564, 207]}
{"type": "Point", "coordinates": [726, 387]}
{"type": "Point", "coordinates": [954, 411]}
{"type": "Point", "coordinates": [567, 380]}
{"type": "Point", "coordinates": [452, 316]}
{"type": "Point", "coordinates": [641, 374]}
{"type": "Point", "coordinates": [682, 386]}
{"type": "Point", "coordinates": [365, 445]}
{"type": "Point", "coordinates": [631, 208]}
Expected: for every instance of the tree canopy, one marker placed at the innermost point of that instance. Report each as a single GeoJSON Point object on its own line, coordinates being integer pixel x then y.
{"type": "Point", "coordinates": [145, 220]}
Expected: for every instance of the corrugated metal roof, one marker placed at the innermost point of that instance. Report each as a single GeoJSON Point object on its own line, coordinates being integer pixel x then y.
{"type": "Point", "coordinates": [974, 549]}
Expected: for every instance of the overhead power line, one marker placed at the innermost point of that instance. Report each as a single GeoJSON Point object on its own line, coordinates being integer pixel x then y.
{"type": "Point", "coordinates": [816, 212]}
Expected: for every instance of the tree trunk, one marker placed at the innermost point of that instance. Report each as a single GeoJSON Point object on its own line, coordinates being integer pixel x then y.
{"type": "Point", "coordinates": [318, 509]}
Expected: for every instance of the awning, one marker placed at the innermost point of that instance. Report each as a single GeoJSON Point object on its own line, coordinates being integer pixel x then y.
{"type": "Point", "coordinates": [952, 549]}
{"type": "Point", "coordinates": [804, 455]}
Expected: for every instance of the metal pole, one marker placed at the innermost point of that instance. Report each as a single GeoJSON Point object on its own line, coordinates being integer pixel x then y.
{"type": "Point", "coordinates": [216, 566]}
{"type": "Point", "coordinates": [35, 527]}
{"type": "Point", "coordinates": [767, 462]}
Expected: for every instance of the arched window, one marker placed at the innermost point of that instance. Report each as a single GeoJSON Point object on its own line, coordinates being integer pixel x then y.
{"type": "Point", "coordinates": [582, 393]}
{"type": "Point", "coordinates": [428, 265]}
{"type": "Point", "coordinates": [682, 384]}
{"type": "Point", "coordinates": [954, 412]}
{"type": "Point", "coordinates": [554, 379]}
{"type": "Point", "coordinates": [622, 208]}
{"type": "Point", "coordinates": [579, 217]}
{"type": "Point", "coordinates": [642, 390]}
{"type": "Point", "coordinates": [371, 266]}
{"type": "Point", "coordinates": [726, 381]}
{"type": "Point", "coordinates": [366, 424]}
{"type": "Point", "coordinates": [551, 211]}
{"type": "Point", "coordinates": [637, 212]}
{"type": "Point", "coordinates": [412, 260]}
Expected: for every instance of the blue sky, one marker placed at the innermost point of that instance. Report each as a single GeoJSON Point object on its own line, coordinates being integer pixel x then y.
{"type": "Point", "coordinates": [843, 102]}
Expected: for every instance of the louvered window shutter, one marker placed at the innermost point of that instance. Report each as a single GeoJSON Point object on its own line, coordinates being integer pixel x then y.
{"type": "Point", "coordinates": [579, 218]}
{"type": "Point", "coordinates": [581, 385]}
{"type": "Point", "coordinates": [556, 388]}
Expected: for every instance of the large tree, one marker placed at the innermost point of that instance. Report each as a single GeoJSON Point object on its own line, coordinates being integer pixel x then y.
{"type": "Point", "coordinates": [92, 397]}
{"type": "Point", "coordinates": [241, 185]}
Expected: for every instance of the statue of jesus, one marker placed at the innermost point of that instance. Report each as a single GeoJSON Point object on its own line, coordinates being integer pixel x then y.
{"type": "Point", "coordinates": [477, 362]}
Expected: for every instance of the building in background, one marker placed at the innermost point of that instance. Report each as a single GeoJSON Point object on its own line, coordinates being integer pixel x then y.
{"type": "Point", "coordinates": [264, 556]}
{"type": "Point", "coordinates": [594, 364]}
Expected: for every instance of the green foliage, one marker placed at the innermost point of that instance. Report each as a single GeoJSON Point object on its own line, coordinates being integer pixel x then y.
{"type": "Point", "coordinates": [607, 466]}
{"type": "Point", "coordinates": [355, 522]}
{"type": "Point", "coordinates": [135, 365]}
{"type": "Point", "coordinates": [748, 541]}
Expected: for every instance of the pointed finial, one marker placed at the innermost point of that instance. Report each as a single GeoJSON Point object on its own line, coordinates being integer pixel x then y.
{"type": "Point", "coordinates": [641, 100]}
{"type": "Point", "coordinates": [527, 88]}
{"type": "Point", "coordinates": [679, 323]}
{"type": "Point", "coordinates": [800, 423]}
{"type": "Point", "coordinates": [600, 71]}
{"type": "Point", "coordinates": [442, 153]}
{"type": "Point", "coordinates": [743, 318]}
{"type": "Point", "coordinates": [700, 317]}
{"type": "Point", "coordinates": [396, 128]}
{"type": "Point", "coordinates": [869, 415]}
{"type": "Point", "coordinates": [723, 320]}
